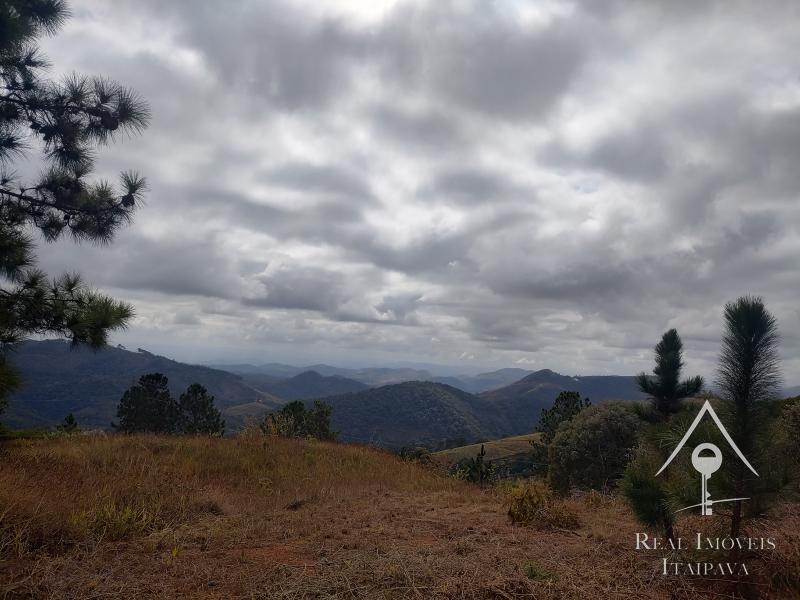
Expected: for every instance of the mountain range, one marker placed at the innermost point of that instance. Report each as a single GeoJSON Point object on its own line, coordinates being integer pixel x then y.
{"type": "Point", "coordinates": [376, 376]}
{"type": "Point", "coordinates": [384, 406]}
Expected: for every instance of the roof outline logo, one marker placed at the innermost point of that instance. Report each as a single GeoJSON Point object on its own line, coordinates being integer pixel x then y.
{"type": "Point", "coordinates": [707, 465]}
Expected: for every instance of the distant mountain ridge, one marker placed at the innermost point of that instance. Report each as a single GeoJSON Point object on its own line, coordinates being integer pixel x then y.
{"type": "Point", "coordinates": [370, 376]}
{"type": "Point", "coordinates": [377, 376]}
{"type": "Point", "coordinates": [523, 400]}
{"type": "Point", "coordinates": [308, 384]}
{"type": "Point", "coordinates": [59, 379]}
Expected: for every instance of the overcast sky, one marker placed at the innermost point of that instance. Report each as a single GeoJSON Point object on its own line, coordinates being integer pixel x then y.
{"type": "Point", "coordinates": [533, 184]}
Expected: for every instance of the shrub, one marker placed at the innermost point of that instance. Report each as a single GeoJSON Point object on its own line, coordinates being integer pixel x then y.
{"type": "Point", "coordinates": [532, 503]}
{"type": "Point", "coordinates": [535, 571]}
{"type": "Point", "coordinates": [592, 449]}
{"type": "Point", "coordinates": [417, 454]}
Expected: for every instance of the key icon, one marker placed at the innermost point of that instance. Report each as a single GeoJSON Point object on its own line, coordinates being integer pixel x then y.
{"type": "Point", "coordinates": [706, 466]}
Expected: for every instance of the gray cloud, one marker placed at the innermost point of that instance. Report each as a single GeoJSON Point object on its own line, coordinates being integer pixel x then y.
{"type": "Point", "coordinates": [305, 288]}
{"type": "Point", "coordinates": [475, 186]}
{"type": "Point", "coordinates": [316, 179]}
{"type": "Point", "coordinates": [548, 185]}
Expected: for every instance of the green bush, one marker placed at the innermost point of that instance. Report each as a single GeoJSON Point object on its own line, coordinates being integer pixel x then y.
{"type": "Point", "coordinates": [592, 449]}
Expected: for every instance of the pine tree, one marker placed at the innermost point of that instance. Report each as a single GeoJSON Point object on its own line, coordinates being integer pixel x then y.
{"type": "Point", "coordinates": [68, 425]}
{"type": "Point", "coordinates": [665, 386]}
{"type": "Point", "coordinates": [565, 406]}
{"type": "Point", "coordinates": [748, 375]}
{"type": "Point", "coordinates": [66, 120]}
{"type": "Point", "coordinates": [197, 412]}
{"type": "Point", "coordinates": [148, 407]}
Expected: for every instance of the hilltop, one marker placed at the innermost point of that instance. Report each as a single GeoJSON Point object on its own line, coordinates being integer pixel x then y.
{"type": "Point", "coordinates": [522, 401]}
{"type": "Point", "coordinates": [308, 384]}
{"type": "Point", "coordinates": [414, 412]}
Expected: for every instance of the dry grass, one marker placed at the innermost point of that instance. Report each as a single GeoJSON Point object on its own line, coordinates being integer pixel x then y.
{"type": "Point", "coordinates": [495, 449]}
{"type": "Point", "coordinates": [154, 517]}
{"type": "Point", "coordinates": [533, 503]}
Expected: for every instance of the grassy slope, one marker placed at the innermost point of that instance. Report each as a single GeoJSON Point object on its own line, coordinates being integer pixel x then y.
{"type": "Point", "coordinates": [251, 517]}
{"type": "Point", "coordinates": [503, 448]}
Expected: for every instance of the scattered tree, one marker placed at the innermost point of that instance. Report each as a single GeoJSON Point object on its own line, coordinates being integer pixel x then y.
{"type": "Point", "coordinates": [68, 425]}
{"type": "Point", "coordinates": [748, 375]}
{"type": "Point", "coordinates": [197, 413]}
{"type": "Point", "coordinates": [295, 420]}
{"type": "Point", "coordinates": [592, 449]}
{"type": "Point", "coordinates": [566, 406]}
{"type": "Point", "coordinates": [67, 120]}
{"type": "Point", "coordinates": [148, 406]}
{"type": "Point", "coordinates": [665, 386]}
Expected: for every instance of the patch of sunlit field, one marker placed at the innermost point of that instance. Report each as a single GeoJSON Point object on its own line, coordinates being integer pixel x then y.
{"type": "Point", "coordinates": [495, 449]}
{"type": "Point", "coordinates": [144, 516]}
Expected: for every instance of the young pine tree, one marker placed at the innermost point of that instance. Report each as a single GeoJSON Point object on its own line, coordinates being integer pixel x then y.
{"type": "Point", "coordinates": [748, 375]}
{"type": "Point", "coordinates": [148, 407]}
{"type": "Point", "coordinates": [68, 425]}
{"type": "Point", "coordinates": [197, 412]}
{"type": "Point", "coordinates": [66, 120]}
{"type": "Point", "coordinates": [664, 386]}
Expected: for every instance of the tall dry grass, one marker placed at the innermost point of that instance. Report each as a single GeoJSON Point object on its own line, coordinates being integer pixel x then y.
{"type": "Point", "coordinates": [62, 491]}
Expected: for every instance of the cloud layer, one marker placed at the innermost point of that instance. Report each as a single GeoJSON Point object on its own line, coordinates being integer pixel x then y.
{"type": "Point", "coordinates": [551, 184]}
